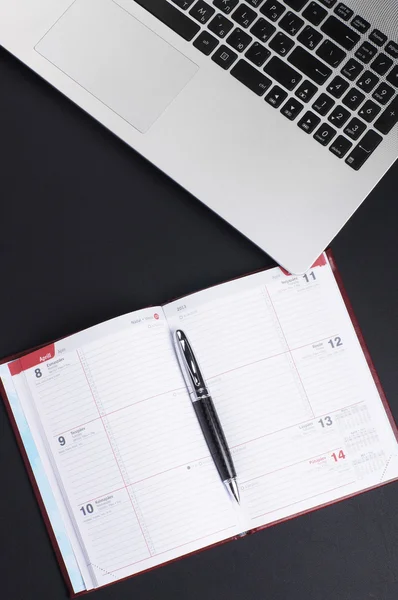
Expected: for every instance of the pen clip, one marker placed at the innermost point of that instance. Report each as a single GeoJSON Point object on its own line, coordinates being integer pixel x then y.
{"type": "Point", "coordinates": [193, 375]}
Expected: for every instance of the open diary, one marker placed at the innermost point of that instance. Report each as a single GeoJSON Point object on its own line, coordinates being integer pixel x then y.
{"type": "Point", "coordinates": [115, 451]}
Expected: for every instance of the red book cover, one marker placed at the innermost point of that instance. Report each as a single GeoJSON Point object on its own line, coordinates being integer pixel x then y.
{"type": "Point", "coordinates": [24, 363]}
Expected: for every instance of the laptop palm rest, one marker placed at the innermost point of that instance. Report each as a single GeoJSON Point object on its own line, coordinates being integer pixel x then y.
{"type": "Point", "coordinates": [117, 59]}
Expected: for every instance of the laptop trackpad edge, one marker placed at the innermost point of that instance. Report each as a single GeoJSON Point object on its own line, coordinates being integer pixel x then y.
{"type": "Point", "coordinates": [101, 47]}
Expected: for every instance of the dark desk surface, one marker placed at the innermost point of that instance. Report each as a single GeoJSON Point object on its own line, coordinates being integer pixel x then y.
{"type": "Point", "coordinates": [90, 230]}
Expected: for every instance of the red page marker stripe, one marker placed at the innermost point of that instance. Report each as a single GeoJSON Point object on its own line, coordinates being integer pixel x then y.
{"type": "Point", "coordinates": [37, 357]}
{"type": "Point", "coordinates": [320, 262]}
{"type": "Point", "coordinates": [15, 367]}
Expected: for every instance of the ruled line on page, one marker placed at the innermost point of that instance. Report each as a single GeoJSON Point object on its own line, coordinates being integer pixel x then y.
{"type": "Point", "coordinates": [304, 500]}
{"type": "Point", "coordinates": [209, 379]}
{"type": "Point", "coordinates": [292, 465]}
{"type": "Point", "coordinates": [116, 461]}
{"type": "Point", "coordinates": [288, 347]}
{"type": "Point", "coordinates": [179, 546]}
{"type": "Point", "coordinates": [206, 456]}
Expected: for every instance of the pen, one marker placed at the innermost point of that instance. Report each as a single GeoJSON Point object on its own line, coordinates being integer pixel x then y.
{"type": "Point", "coordinates": [206, 414]}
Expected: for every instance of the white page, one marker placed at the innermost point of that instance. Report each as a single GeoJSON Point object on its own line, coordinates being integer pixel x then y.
{"type": "Point", "coordinates": [130, 455]}
{"type": "Point", "coordinates": [292, 388]}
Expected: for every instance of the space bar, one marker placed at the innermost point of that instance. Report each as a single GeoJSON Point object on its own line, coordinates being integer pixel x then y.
{"type": "Point", "coordinates": [171, 17]}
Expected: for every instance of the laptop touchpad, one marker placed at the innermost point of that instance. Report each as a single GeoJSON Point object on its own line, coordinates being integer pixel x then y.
{"type": "Point", "coordinates": [118, 60]}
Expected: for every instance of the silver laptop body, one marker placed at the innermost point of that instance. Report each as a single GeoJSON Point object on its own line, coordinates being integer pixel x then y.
{"type": "Point", "coordinates": [278, 115]}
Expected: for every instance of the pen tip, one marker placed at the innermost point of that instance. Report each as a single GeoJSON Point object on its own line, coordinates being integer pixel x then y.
{"type": "Point", "coordinates": [233, 490]}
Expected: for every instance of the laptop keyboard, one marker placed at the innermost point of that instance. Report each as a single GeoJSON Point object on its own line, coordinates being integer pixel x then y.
{"type": "Point", "coordinates": [288, 51]}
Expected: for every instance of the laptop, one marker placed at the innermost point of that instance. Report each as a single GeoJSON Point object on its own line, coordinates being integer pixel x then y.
{"type": "Point", "coordinates": [279, 115]}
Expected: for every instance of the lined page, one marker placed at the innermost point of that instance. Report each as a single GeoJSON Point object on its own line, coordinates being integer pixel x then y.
{"type": "Point", "coordinates": [292, 388]}
{"type": "Point", "coordinates": [127, 446]}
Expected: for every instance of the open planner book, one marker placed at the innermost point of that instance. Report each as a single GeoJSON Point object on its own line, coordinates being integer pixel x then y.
{"type": "Point", "coordinates": [117, 456]}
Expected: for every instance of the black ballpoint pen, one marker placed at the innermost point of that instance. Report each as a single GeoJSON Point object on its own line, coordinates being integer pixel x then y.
{"type": "Point", "coordinates": [206, 414]}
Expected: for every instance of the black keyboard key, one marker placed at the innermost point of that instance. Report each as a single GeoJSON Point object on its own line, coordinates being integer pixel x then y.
{"type": "Point", "coordinates": [340, 146]}
{"type": "Point", "coordinates": [282, 73]}
{"type": "Point", "coordinates": [272, 9]}
{"type": "Point", "coordinates": [355, 129]}
{"type": "Point", "coordinates": [392, 49]}
{"type": "Point", "coordinates": [184, 4]}
{"type": "Point", "coordinates": [224, 57]}
{"type": "Point", "coordinates": [220, 25]}
{"type": "Point", "coordinates": [227, 6]}
{"type": "Point", "coordinates": [331, 54]}
{"type": "Point", "coordinates": [257, 54]}
{"type": "Point", "coordinates": [276, 96]}
{"type": "Point", "coordinates": [369, 111]}
{"type": "Point", "coordinates": [250, 77]}
{"type": "Point", "coordinates": [368, 144]}
{"type": "Point", "coordinates": [309, 65]}
{"type": "Point", "coordinates": [323, 104]}
{"type": "Point", "coordinates": [340, 33]}
{"type": "Point", "coordinates": [255, 3]}
{"type": "Point", "coordinates": [378, 38]}
{"type": "Point", "coordinates": [291, 23]}
{"type": "Point", "coordinates": [353, 99]}
{"type": "Point", "coordinates": [381, 64]}
{"type": "Point", "coordinates": [343, 11]}
{"type": "Point", "coordinates": [281, 44]}
{"type": "Point", "coordinates": [393, 77]}
{"type": "Point", "coordinates": [296, 4]}
{"type": "Point", "coordinates": [328, 3]}
{"type": "Point", "coordinates": [352, 69]}
{"type": "Point", "coordinates": [368, 81]}
{"type": "Point", "coordinates": [263, 29]}
{"type": "Point", "coordinates": [244, 16]}
{"type": "Point", "coordinates": [309, 122]}
{"type": "Point", "coordinates": [325, 134]}
{"type": "Point", "coordinates": [202, 11]}
{"type": "Point", "coordinates": [338, 86]}
{"type": "Point", "coordinates": [239, 40]}
{"type": "Point", "coordinates": [339, 116]}
{"type": "Point", "coordinates": [309, 37]}
{"type": "Point", "coordinates": [206, 43]}
{"type": "Point", "coordinates": [306, 91]}
{"type": "Point", "coordinates": [291, 109]}
{"type": "Point", "coordinates": [360, 24]}
{"type": "Point", "coordinates": [383, 93]}
{"type": "Point", "coordinates": [389, 118]}
{"type": "Point", "coordinates": [315, 13]}
{"type": "Point", "coordinates": [366, 52]}
{"type": "Point", "coordinates": [171, 17]}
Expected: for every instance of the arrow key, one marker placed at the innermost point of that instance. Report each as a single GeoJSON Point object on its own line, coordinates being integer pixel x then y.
{"type": "Point", "coordinates": [306, 91]}
{"type": "Point", "coordinates": [291, 109]}
{"type": "Point", "coordinates": [276, 96]}
{"type": "Point", "coordinates": [309, 122]}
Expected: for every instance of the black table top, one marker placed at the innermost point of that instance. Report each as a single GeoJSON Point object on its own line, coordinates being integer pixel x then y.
{"type": "Point", "coordinates": [90, 230]}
